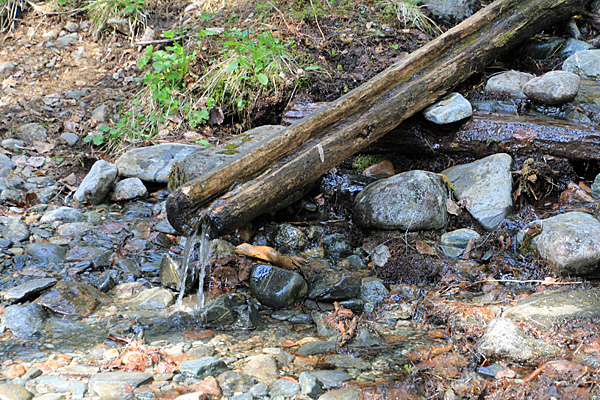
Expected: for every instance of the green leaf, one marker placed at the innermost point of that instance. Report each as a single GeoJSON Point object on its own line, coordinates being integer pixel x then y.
{"type": "Point", "coordinates": [262, 78]}
{"type": "Point", "coordinates": [233, 66]}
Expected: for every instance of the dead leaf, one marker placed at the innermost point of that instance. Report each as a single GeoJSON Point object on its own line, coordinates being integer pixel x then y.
{"type": "Point", "coordinates": [266, 253]}
{"type": "Point", "coordinates": [8, 82]}
{"type": "Point", "coordinates": [43, 147]}
{"type": "Point", "coordinates": [216, 116]}
{"type": "Point", "coordinates": [425, 248]}
{"type": "Point", "coordinates": [197, 333]}
{"type": "Point", "coordinates": [288, 343]}
{"type": "Point", "coordinates": [452, 207]}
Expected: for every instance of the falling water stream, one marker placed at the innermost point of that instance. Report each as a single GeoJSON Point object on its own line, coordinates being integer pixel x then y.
{"type": "Point", "coordinates": [202, 240]}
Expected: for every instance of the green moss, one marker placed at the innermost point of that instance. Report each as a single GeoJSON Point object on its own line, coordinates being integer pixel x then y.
{"type": "Point", "coordinates": [363, 161]}
{"type": "Point", "coordinates": [176, 177]}
{"type": "Point", "coordinates": [231, 146]}
{"type": "Point", "coordinates": [246, 138]}
{"type": "Point", "coordinates": [228, 152]}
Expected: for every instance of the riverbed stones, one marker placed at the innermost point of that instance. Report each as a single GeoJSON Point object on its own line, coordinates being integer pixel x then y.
{"type": "Point", "coordinates": [12, 391]}
{"type": "Point", "coordinates": [15, 230]}
{"type": "Point", "coordinates": [24, 320]}
{"type": "Point", "coordinates": [62, 214]}
{"type": "Point", "coordinates": [153, 164]}
{"type": "Point", "coordinates": [155, 298]}
{"type": "Point", "coordinates": [203, 367]}
{"type": "Point", "coordinates": [451, 108]}
{"type": "Point", "coordinates": [510, 82]}
{"type": "Point", "coordinates": [334, 287]}
{"type": "Point", "coordinates": [309, 384]}
{"type": "Point", "coordinates": [553, 88]}
{"type": "Point", "coordinates": [263, 368]}
{"type": "Point", "coordinates": [117, 385]}
{"type": "Point", "coordinates": [129, 189]}
{"type": "Point", "coordinates": [291, 237]}
{"type": "Point", "coordinates": [27, 290]}
{"type": "Point", "coordinates": [277, 287]}
{"type": "Point", "coordinates": [71, 299]}
{"type": "Point", "coordinates": [569, 242]}
{"type": "Point", "coordinates": [97, 183]}
{"type": "Point", "coordinates": [573, 46]}
{"type": "Point", "coordinates": [283, 388]}
{"type": "Point", "coordinates": [412, 200]}
{"type": "Point", "coordinates": [505, 339]}
{"type": "Point", "coordinates": [487, 184]}
{"type": "Point", "coordinates": [348, 393]}
{"type": "Point", "coordinates": [44, 253]}
{"type": "Point", "coordinates": [584, 63]}
{"type": "Point", "coordinates": [459, 237]}
{"type": "Point", "coordinates": [551, 306]}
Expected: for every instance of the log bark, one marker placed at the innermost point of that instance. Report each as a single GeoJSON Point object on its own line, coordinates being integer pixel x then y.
{"type": "Point", "coordinates": [322, 140]}
{"type": "Point", "coordinates": [486, 133]}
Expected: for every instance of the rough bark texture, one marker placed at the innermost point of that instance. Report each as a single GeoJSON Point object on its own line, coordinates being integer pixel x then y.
{"type": "Point", "coordinates": [485, 134]}
{"type": "Point", "coordinates": [322, 140]}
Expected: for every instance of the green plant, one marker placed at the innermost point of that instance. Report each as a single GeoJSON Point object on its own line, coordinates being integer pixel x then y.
{"type": "Point", "coordinates": [130, 15]}
{"type": "Point", "coordinates": [409, 13]}
{"type": "Point", "coordinates": [409, 368]}
{"type": "Point", "coordinates": [363, 161]}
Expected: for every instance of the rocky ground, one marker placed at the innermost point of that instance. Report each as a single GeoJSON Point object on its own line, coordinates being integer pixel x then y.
{"type": "Point", "coordinates": [439, 277]}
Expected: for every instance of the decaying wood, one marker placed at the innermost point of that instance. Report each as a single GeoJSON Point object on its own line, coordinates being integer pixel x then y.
{"type": "Point", "coordinates": [486, 133]}
{"type": "Point", "coordinates": [324, 139]}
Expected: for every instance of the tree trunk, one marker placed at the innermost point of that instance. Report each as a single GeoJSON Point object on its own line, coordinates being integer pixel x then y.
{"type": "Point", "coordinates": [324, 139]}
{"type": "Point", "coordinates": [485, 134]}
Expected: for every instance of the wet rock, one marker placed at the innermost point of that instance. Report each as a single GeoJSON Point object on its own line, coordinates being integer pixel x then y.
{"type": "Point", "coordinates": [553, 88]}
{"type": "Point", "coordinates": [309, 384]}
{"type": "Point", "coordinates": [24, 320]}
{"type": "Point", "coordinates": [291, 237]}
{"type": "Point", "coordinates": [220, 248]}
{"type": "Point", "coordinates": [15, 230]}
{"type": "Point", "coordinates": [72, 299]}
{"type": "Point", "coordinates": [169, 273]}
{"type": "Point", "coordinates": [412, 200]}
{"type": "Point", "coordinates": [348, 361]}
{"type": "Point", "coordinates": [202, 367]}
{"type": "Point", "coordinates": [226, 311]}
{"type": "Point", "coordinates": [459, 237]}
{"type": "Point", "coordinates": [283, 388]}
{"type": "Point", "coordinates": [495, 106]}
{"type": "Point", "coordinates": [277, 287]}
{"type": "Point", "coordinates": [153, 164]}
{"type": "Point", "coordinates": [585, 63]}
{"type": "Point", "coordinates": [456, 10]}
{"type": "Point", "coordinates": [541, 47]}
{"type": "Point", "coordinates": [12, 391]}
{"type": "Point", "coordinates": [569, 242]}
{"type": "Point", "coordinates": [82, 253]}
{"type": "Point", "coordinates": [153, 299]}
{"type": "Point", "coordinates": [27, 290]}
{"type": "Point", "coordinates": [97, 183]}
{"type": "Point", "coordinates": [234, 382]}
{"type": "Point", "coordinates": [381, 170]}
{"type": "Point", "coordinates": [45, 253]}
{"type": "Point", "coordinates": [67, 39]}
{"type": "Point", "coordinates": [62, 214]}
{"type": "Point", "coordinates": [334, 287]}
{"type": "Point", "coordinates": [504, 339]}
{"type": "Point", "coordinates": [318, 347]}
{"type": "Point", "coordinates": [33, 132]}
{"type": "Point", "coordinates": [117, 385]}
{"type": "Point", "coordinates": [263, 368]}
{"type": "Point", "coordinates": [332, 378]}
{"type": "Point", "coordinates": [341, 394]}
{"type": "Point", "coordinates": [573, 46]}
{"type": "Point", "coordinates": [373, 290]}
{"type": "Point", "coordinates": [487, 183]}
{"type": "Point", "coordinates": [596, 187]}
{"type": "Point", "coordinates": [106, 281]}
{"type": "Point", "coordinates": [510, 82]}
{"type": "Point", "coordinates": [350, 187]}
{"type": "Point", "coordinates": [129, 189]}
{"type": "Point", "coordinates": [551, 306]}
{"type": "Point", "coordinates": [451, 108]}
{"type": "Point", "coordinates": [337, 245]}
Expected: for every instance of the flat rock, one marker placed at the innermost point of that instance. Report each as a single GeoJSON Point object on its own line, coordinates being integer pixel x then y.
{"type": "Point", "coordinates": [283, 388]}
{"type": "Point", "coordinates": [200, 160]}
{"type": "Point", "coordinates": [332, 378]}
{"type": "Point", "coordinates": [341, 394]}
{"type": "Point", "coordinates": [552, 306]}
{"type": "Point", "coordinates": [154, 163]}
{"type": "Point", "coordinates": [12, 391]}
{"type": "Point", "coordinates": [27, 290]}
{"type": "Point", "coordinates": [487, 183]}
{"type": "Point", "coordinates": [129, 189]}
{"type": "Point", "coordinates": [569, 242]}
{"type": "Point", "coordinates": [309, 384]}
{"type": "Point", "coordinates": [63, 214]}
{"type": "Point", "coordinates": [156, 298]}
{"type": "Point", "coordinates": [584, 63]}
{"type": "Point", "coordinates": [334, 287]}
{"type": "Point", "coordinates": [455, 10]}
{"type": "Point", "coordinates": [15, 230]}
{"type": "Point", "coordinates": [24, 320]}
{"type": "Point", "coordinates": [117, 385]}
{"type": "Point", "coordinates": [451, 108]}
{"type": "Point", "coordinates": [573, 46]}
{"type": "Point", "coordinates": [504, 339]}
{"type": "Point", "coordinates": [203, 367]}
{"type": "Point", "coordinates": [44, 253]}
{"type": "Point", "coordinates": [97, 183]}
{"type": "Point", "coordinates": [553, 88]}
{"type": "Point", "coordinates": [459, 237]}
{"type": "Point", "coordinates": [510, 82]}
{"type": "Point", "coordinates": [412, 200]}
{"type": "Point", "coordinates": [277, 287]}
{"type": "Point", "coordinates": [72, 299]}
{"type": "Point", "coordinates": [372, 290]}
{"type": "Point", "coordinates": [263, 368]}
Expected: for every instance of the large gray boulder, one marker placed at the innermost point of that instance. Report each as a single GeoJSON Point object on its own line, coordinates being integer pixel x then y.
{"type": "Point", "coordinates": [553, 88]}
{"type": "Point", "coordinates": [412, 200]}
{"type": "Point", "coordinates": [451, 108]}
{"type": "Point", "coordinates": [569, 242]}
{"type": "Point", "coordinates": [487, 183]}
{"type": "Point", "coordinates": [584, 63]}
{"type": "Point", "coordinates": [97, 183]}
{"type": "Point", "coordinates": [510, 82]}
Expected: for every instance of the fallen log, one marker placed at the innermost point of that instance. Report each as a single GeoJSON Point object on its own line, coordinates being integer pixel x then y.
{"type": "Point", "coordinates": [486, 133]}
{"type": "Point", "coordinates": [324, 139]}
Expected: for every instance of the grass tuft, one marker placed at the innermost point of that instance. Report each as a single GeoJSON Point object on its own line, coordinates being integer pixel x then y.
{"type": "Point", "coordinates": [410, 14]}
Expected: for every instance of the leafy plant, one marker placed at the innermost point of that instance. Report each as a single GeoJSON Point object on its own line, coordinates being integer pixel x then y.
{"type": "Point", "coordinates": [363, 161]}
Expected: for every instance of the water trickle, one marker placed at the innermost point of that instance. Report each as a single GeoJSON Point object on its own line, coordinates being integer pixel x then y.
{"type": "Point", "coordinates": [202, 241]}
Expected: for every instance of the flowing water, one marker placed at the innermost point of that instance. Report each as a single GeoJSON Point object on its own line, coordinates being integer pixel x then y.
{"type": "Point", "coordinates": [202, 241]}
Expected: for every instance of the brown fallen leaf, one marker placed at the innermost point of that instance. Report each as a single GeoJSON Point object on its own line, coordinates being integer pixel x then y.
{"type": "Point", "coordinates": [267, 253]}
